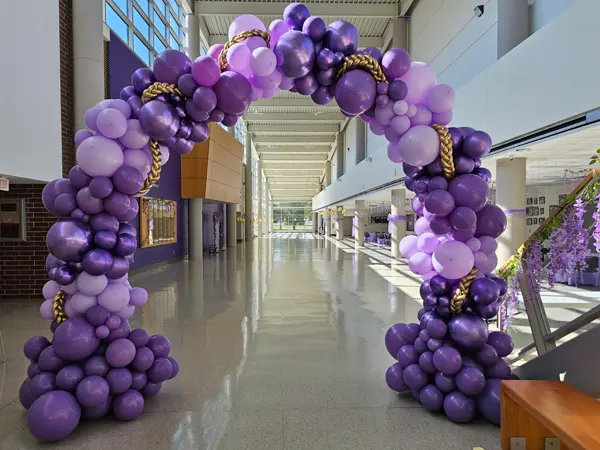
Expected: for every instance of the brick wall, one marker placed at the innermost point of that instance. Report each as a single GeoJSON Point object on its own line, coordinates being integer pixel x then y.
{"type": "Point", "coordinates": [22, 264]}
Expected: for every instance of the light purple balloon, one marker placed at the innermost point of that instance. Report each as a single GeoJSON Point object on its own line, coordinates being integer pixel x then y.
{"type": "Point", "coordinates": [91, 285]}
{"type": "Point", "coordinates": [420, 263]}
{"type": "Point", "coordinates": [135, 137]}
{"type": "Point", "coordinates": [82, 135]}
{"type": "Point", "coordinates": [422, 117]}
{"type": "Point", "coordinates": [245, 22]}
{"type": "Point", "coordinates": [112, 123]}
{"type": "Point", "coordinates": [428, 242]}
{"type": "Point", "coordinates": [206, 71]}
{"type": "Point", "coordinates": [419, 146]}
{"type": "Point", "coordinates": [419, 79]}
{"type": "Point", "coordinates": [408, 246]}
{"type": "Point", "coordinates": [453, 260]}
{"type": "Point", "coordinates": [440, 98]}
{"type": "Point", "coordinates": [99, 156]}
{"type": "Point", "coordinates": [488, 244]}
{"type": "Point", "coordinates": [138, 296]}
{"type": "Point", "coordinates": [114, 298]}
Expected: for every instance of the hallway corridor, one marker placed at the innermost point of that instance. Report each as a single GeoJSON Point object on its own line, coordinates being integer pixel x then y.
{"type": "Point", "coordinates": [280, 345]}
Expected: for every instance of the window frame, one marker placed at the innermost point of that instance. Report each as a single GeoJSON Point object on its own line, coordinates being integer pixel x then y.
{"type": "Point", "coordinates": [21, 210]}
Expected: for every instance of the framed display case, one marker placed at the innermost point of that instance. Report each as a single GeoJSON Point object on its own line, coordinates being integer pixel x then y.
{"type": "Point", "coordinates": [158, 222]}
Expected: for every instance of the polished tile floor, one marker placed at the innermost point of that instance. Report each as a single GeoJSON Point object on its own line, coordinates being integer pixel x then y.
{"type": "Point", "coordinates": [281, 346]}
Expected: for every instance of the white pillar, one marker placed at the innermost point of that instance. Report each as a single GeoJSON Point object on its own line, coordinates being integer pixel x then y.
{"type": "Point", "coordinates": [270, 217]}
{"type": "Point", "coordinates": [328, 223]}
{"type": "Point", "coordinates": [248, 226]}
{"type": "Point", "coordinates": [513, 24]}
{"type": "Point", "coordinates": [359, 230]}
{"type": "Point", "coordinates": [315, 222]}
{"type": "Point", "coordinates": [231, 222]}
{"type": "Point", "coordinates": [327, 179]}
{"type": "Point", "coordinates": [259, 212]}
{"type": "Point", "coordinates": [510, 196]}
{"type": "Point", "coordinates": [88, 56]}
{"type": "Point", "coordinates": [196, 244]}
{"type": "Point", "coordinates": [339, 211]}
{"type": "Point", "coordinates": [398, 226]}
{"type": "Point", "coordinates": [193, 34]}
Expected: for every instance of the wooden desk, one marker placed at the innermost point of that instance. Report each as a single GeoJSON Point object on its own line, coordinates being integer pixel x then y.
{"type": "Point", "coordinates": [536, 410]}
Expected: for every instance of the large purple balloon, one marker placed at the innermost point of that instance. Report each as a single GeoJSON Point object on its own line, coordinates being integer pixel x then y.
{"type": "Point", "coordinates": [439, 203]}
{"type": "Point", "coordinates": [484, 291]}
{"type": "Point", "coordinates": [477, 144]}
{"type": "Point", "coordinates": [468, 331]}
{"type": "Point", "coordinates": [170, 65]}
{"type": "Point", "coordinates": [431, 398]}
{"type": "Point", "coordinates": [469, 190]}
{"type": "Point", "coordinates": [53, 416]}
{"type": "Point", "coordinates": [502, 342]}
{"type": "Point", "coordinates": [341, 36]}
{"type": "Point", "coordinates": [470, 380]}
{"type": "Point", "coordinates": [393, 339]}
{"type": "Point", "coordinates": [415, 377]}
{"type": "Point", "coordinates": [75, 339]}
{"type": "Point", "coordinates": [294, 15]}
{"type": "Point", "coordinates": [394, 378]}
{"type": "Point", "coordinates": [159, 120]}
{"type": "Point", "coordinates": [233, 92]}
{"type": "Point", "coordinates": [407, 355]}
{"type": "Point", "coordinates": [459, 407]}
{"type": "Point", "coordinates": [488, 402]}
{"type": "Point", "coordinates": [491, 221]}
{"type": "Point", "coordinates": [396, 63]}
{"type": "Point", "coordinates": [295, 53]}
{"type": "Point", "coordinates": [447, 360]}
{"type": "Point", "coordinates": [355, 92]}
{"type": "Point", "coordinates": [69, 240]}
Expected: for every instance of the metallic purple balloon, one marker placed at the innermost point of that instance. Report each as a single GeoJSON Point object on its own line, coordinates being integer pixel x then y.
{"type": "Point", "coordinates": [484, 291]}
{"type": "Point", "coordinates": [463, 164]}
{"type": "Point", "coordinates": [491, 221]}
{"type": "Point", "coordinates": [100, 188]}
{"type": "Point", "coordinates": [397, 90]}
{"type": "Point", "coordinates": [127, 92]}
{"type": "Point", "coordinates": [126, 228]}
{"type": "Point", "coordinates": [170, 65]}
{"type": "Point", "coordinates": [135, 103]}
{"type": "Point", "coordinates": [186, 84]}
{"type": "Point", "coordinates": [469, 190]}
{"type": "Point", "coordinates": [97, 261]}
{"type": "Point", "coordinates": [295, 54]}
{"type": "Point", "coordinates": [488, 402]}
{"type": "Point", "coordinates": [129, 405]}
{"type": "Point", "coordinates": [89, 203]}
{"type": "Point", "coordinates": [69, 240]}
{"type": "Point", "coordinates": [439, 203]}
{"type": "Point", "coordinates": [325, 59]}
{"type": "Point", "coordinates": [325, 77]}
{"type": "Point", "coordinates": [128, 180]}
{"type": "Point", "coordinates": [500, 369]}
{"type": "Point", "coordinates": [105, 239]}
{"type": "Point", "coordinates": [117, 203]}
{"type": "Point", "coordinates": [205, 99]}
{"type": "Point", "coordinates": [233, 92]}
{"type": "Point", "coordinates": [355, 92]}
{"type": "Point", "coordinates": [314, 28]}
{"type": "Point", "coordinates": [65, 204]}
{"type": "Point", "coordinates": [395, 62]}
{"type": "Point", "coordinates": [375, 53]}
{"type": "Point", "coordinates": [483, 173]}
{"type": "Point", "coordinates": [215, 116]}
{"type": "Point", "coordinates": [322, 96]}
{"type": "Point", "coordinates": [415, 377]}
{"type": "Point", "coordinates": [463, 218]}
{"type": "Point", "coordinates": [341, 36]}
{"type": "Point", "coordinates": [126, 245]}
{"type": "Point", "coordinates": [477, 144]}
{"type": "Point", "coordinates": [447, 360]}
{"type": "Point", "coordinates": [294, 15]}
{"type": "Point", "coordinates": [78, 178]}
{"type": "Point", "coordinates": [435, 168]}
{"type": "Point", "coordinates": [306, 85]}
{"type": "Point", "coordinates": [468, 331]}
{"type": "Point", "coordinates": [74, 339]}
{"type": "Point", "coordinates": [119, 268]}
{"type": "Point", "coordinates": [64, 275]}
{"type": "Point", "coordinates": [141, 80]}
{"type": "Point", "coordinates": [229, 120]}
{"type": "Point", "coordinates": [394, 378]}
{"type": "Point", "coordinates": [53, 416]}
{"type": "Point", "coordinates": [159, 120]}
{"type": "Point", "coordinates": [459, 408]}
{"type": "Point", "coordinates": [104, 221]}
{"type": "Point", "coordinates": [502, 342]}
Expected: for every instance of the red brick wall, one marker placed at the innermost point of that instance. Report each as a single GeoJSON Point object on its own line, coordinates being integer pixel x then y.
{"type": "Point", "coordinates": [22, 271]}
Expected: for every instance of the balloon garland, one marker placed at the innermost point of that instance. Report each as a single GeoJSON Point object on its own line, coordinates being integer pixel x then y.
{"type": "Point", "coordinates": [95, 364]}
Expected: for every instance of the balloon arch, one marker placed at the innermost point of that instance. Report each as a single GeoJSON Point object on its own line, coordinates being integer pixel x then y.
{"type": "Point", "coordinates": [95, 364]}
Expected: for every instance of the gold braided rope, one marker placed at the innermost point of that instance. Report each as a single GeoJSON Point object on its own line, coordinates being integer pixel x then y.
{"type": "Point", "coordinates": [364, 62]}
{"type": "Point", "coordinates": [58, 307]}
{"type": "Point", "coordinates": [150, 94]}
{"type": "Point", "coordinates": [236, 40]}
{"type": "Point", "coordinates": [462, 292]}
{"type": "Point", "coordinates": [445, 151]}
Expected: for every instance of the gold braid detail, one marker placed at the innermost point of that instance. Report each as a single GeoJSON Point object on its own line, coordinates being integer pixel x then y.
{"type": "Point", "coordinates": [236, 40]}
{"type": "Point", "coordinates": [150, 94]}
{"type": "Point", "coordinates": [364, 62]}
{"type": "Point", "coordinates": [445, 151]}
{"type": "Point", "coordinates": [58, 307]}
{"type": "Point", "coordinates": [462, 292]}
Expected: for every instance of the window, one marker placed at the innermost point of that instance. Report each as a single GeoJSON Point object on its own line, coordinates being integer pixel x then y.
{"type": "Point", "coordinates": [118, 25]}
{"type": "Point", "coordinates": [121, 4]}
{"type": "Point", "coordinates": [161, 5]}
{"type": "Point", "coordinates": [158, 222]}
{"type": "Point", "coordinates": [12, 220]}
{"type": "Point", "coordinates": [160, 25]}
{"type": "Point", "coordinates": [141, 50]}
{"type": "Point", "coordinates": [202, 49]}
{"type": "Point", "coordinates": [175, 7]}
{"type": "Point", "coordinates": [141, 25]}
{"type": "Point", "coordinates": [144, 5]}
{"type": "Point", "coordinates": [158, 45]}
{"type": "Point", "coordinates": [173, 42]}
{"type": "Point", "coordinates": [174, 24]}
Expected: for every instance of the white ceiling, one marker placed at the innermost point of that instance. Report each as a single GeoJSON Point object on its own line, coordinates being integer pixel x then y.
{"type": "Point", "coordinates": [293, 137]}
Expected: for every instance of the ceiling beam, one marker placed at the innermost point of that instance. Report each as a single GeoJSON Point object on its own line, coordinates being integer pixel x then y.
{"type": "Point", "coordinates": [291, 128]}
{"type": "Point", "coordinates": [293, 158]}
{"type": "Point", "coordinates": [363, 41]}
{"type": "Point", "coordinates": [293, 117]}
{"type": "Point", "coordinates": [291, 102]}
{"type": "Point", "coordinates": [313, 150]}
{"type": "Point", "coordinates": [293, 165]}
{"type": "Point", "coordinates": [295, 182]}
{"type": "Point", "coordinates": [298, 140]}
{"type": "Point", "coordinates": [325, 10]}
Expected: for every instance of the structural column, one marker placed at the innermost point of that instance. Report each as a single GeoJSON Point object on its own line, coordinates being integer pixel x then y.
{"type": "Point", "coordinates": [193, 36]}
{"type": "Point", "coordinates": [270, 217]}
{"type": "Point", "coordinates": [248, 228]}
{"type": "Point", "coordinates": [195, 216]}
{"type": "Point", "coordinates": [231, 213]}
{"type": "Point", "coordinates": [327, 179]}
{"type": "Point", "coordinates": [510, 196]}
{"type": "Point", "coordinates": [328, 223]}
{"type": "Point", "coordinates": [359, 223]}
{"type": "Point", "coordinates": [339, 212]}
{"type": "Point", "coordinates": [400, 33]}
{"type": "Point", "coordinates": [315, 222]}
{"type": "Point", "coordinates": [259, 212]}
{"type": "Point", "coordinates": [397, 220]}
{"type": "Point", "coordinates": [88, 56]}
{"type": "Point", "coordinates": [513, 24]}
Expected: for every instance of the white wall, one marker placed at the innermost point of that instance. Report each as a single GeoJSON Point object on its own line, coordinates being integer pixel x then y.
{"type": "Point", "coordinates": [30, 115]}
{"type": "Point", "coordinates": [542, 12]}
{"type": "Point", "coordinates": [375, 143]}
{"type": "Point", "coordinates": [350, 144]}
{"type": "Point", "coordinates": [457, 44]}
{"type": "Point", "coordinates": [551, 193]}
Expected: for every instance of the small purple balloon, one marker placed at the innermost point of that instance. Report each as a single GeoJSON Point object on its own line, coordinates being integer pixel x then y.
{"type": "Point", "coordinates": [96, 365]}
{"type": "Point", "coordinates": [160, 371]}
{"type": "Point", "coordinates": [459, 407]}
{"type": "Point", "coordinates": [139, 337]}
{"type": "Point", "coordinates": [138, 380]}
{"type": "Point", "coordinates": [92, 391]}
{"type": "Point", "coordinates": [431, 398]}
{"type": "Point", "coordinates": [415, 377]}
{"type": "Point", "coordinates": [394, 378]}
{"type": "Point", "coordinates": [49, 361]}
{"type": "Point", "coordinates": [129, 405]}
{"type": "Point", "coordinates": [69, 377]}
{"type": "Point", "coordinates": [159, 345]}
{"type": "Point", "coordinates": [143, 360]}
{"type": "Point", "coordinates": [34, 347]}
{"type": "Point", "coordinates": [119, 380]}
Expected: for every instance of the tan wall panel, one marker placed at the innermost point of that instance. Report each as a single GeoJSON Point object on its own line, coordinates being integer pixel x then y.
{"type": "Point", "coordinates": [194, 168]}
{"type": "Point", "coordinates": [194, 188]}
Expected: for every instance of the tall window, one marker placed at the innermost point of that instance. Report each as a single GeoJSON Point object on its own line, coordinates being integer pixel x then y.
{"type": "Point", "coordinates": [149, 27]}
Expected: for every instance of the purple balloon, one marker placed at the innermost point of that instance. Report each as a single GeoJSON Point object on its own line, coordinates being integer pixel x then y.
{"type": "Point", "coordinates": [447, 360]}
{"type": "Point", "coordinates": [463, 164]}
{"type": "Point", "coordinates": [75, 339]}
{"type": "Point", "coordinates": [120, 353]}
{"type": "Point", "coordinates": [415, 377]}
{"type": "Point", "coordinates": [186, 82]}
{"type": "Point", "coordinates": [34, 347]}
{"type": "Point", "coordinates": [97, 411]}
{"type": "Point", "coordinates": [376, 54]}
{"type": "Point", "coordinates": [105, 239]}
{"type": "Point", "coordinates": [129, 405]}
{"type": "Point", "coordinates": [463, 218]}
{"type": "Point", "coordinates": [426, 362]}
{"type": "Point", "coordinates": [43, 382]}
{"type": "Point", "coordinates": [294, 15]}
{"type": "Point", "coordinates": [174, 366]}
{"type": "Point", "coordinates": [341, 36]}
{"type": "Point", "coordinates": [170, 65]}
{"type": "Point", "coordinates": [407, 355]}
{"type": "Point", "coordinates": [159, 120]}
{"type": "Point", "coordinates": [484, 291]}
{"type": "Point", "coordinates": [445, 383]}
{"type": "Point", "coordinates": [138, 380]}
{"type": "Point", "coordinates": [431, 398]}
{"type": "Point", "coordinates": [488, 402]}
{"type": "Point", "coordinates": [119, 380]}
{"type": "Point", "coordinates": [151, 389]}
{"type": "Point", "coordinates": [410, 332]}
{"type": "Point", "coordinates": [395, 379]}
{"type": "Point", "coordinates": [326, 59]}
{"type": "Point", "coordinates": [483, 173]}
{"type": "Point", "coordinates": [322, 96]}
{"type": "Point", "coordinates": [459, 408]}
{"type": "Point", "coordinates": [53, 416]}
{"type": "Point", "coordinates": [468, 331]}
{"type": "Point", "coordinates": [33, 370]}
{"type": "Point", "coordinates": [295, 54]}
{"type": "Point", "coordinates": [355, 92]}
{"type": "Point", "coordinates": [314, 28]}
{"type": "Point", "coordinates": [78, 178]}
{"type": "Point", "coordinates": [205, 99]}
{"type": "Point", "coordinates": [160, 371]}
{"type": "Point", "coordinates": [127, 92]}
{"type": "Point", "coordinates": [143, 360]}
{"type": "Point", "coordinates": [324, 77]}
{"type": "Point", "coordinates": [306, 85]}
{"type": "Point", "coordinates": [233, 93]}
{"type": "Point", "coordinates": [25, 396]}
{"type": "Point", "coordinates": [141, 80]}
{"type": "Point", "coordinates": [49, 361]}
{"type": "Point", "coordinates": [470, 380]}
{"type": "Point", "coordinates": [477, 144]}
{"type": "Point", "coordinates": [69, 377]}
{"type": "Point", "coordinates": [92, 391]}
{"type": "Point", "coordinates": [104, 221]}
{"type": "Point", "coordinates": [470, 191]}
{"type": "Point", "coordinates": [69, 240]}
{"type": "Point", "coordinates": [396, 63]}
{"type": "Point", "coordinates": [491, 221]}
{"type": "Point", "coordinates": [397, 90]}
{"type": "Point", "coordinates": [502, 342]}
{"type": "Point", "coordinates": [394, 340]}
{"type": "Point", "coordinates": [500, 369]}
{"type": "Point", "coordinates": [440, 226]}
{"type": "Point", "coordinates": [97, 261]}
{"type": "Point", "coordinates": [436, 328]}
{"type": "Point", "coordinates": [205, 71]}
{"type": "Point", "coordinates": [487, 356]}
{"type": "Point", "coordinates": [96, 365]}
{"type": "Point", "coordinates": [439, 203]}
{"type": "Point", "coordinates": [128, 180]}
{"type": "Point", "coordinates": [117, 204]}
